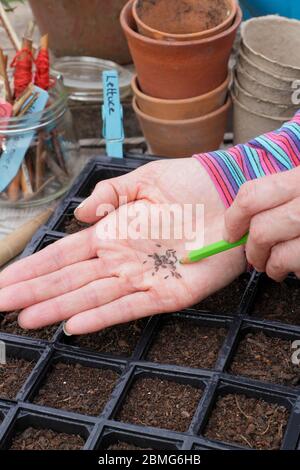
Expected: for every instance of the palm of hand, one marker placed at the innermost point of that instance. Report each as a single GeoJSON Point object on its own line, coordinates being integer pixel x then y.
{"type": "Point", "coordinates": [113, 281]}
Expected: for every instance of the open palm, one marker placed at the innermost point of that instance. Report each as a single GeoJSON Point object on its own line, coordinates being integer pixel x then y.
{"type": "Point", "coordinates": [95, 278]}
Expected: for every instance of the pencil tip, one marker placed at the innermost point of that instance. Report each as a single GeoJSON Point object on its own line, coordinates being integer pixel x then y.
{"type": "Point", "coordinates": [184, 261]}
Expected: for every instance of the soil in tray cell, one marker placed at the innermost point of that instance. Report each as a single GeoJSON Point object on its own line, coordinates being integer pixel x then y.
{"type": "Point", "coordinates": [9, 324]}
{"type": "Point", "coordinates": [160, 403]}
{"type": "Point", "coordinates": [278, 302]}
{"type": "Point", "coordinates": [185, 343]}
{"type": "Point", "coordinates": [77, 388]}
{"type": "Point", "coordinates": [72, 225]}
{"type": "Point", "coordinates": [125, 446]}
{"type": "Point", "coordinates": [45, 439]}
{"type": "Point", "coordinates": [250, 422]}
{"type": "Point", "coordinates": [266, 358]}
{"type": "Point", "coordinates": [12, 376]}
{"type": "Point", "coordinates": [119, 340]}
{"type": "Point", "coordinates": [227, 300]}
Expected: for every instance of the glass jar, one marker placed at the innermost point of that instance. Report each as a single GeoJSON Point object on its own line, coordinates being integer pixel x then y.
{"type": "Point", "coordinates": [52, 159]}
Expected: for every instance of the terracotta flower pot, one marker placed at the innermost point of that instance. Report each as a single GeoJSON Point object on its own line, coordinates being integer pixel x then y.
{"type": "Point", "coordinates": [78, 28]}
{"type": "Point", "coordinates": [180, 109]}
{"type": "Point", "coordinates": [185, 137]}
{"type": "Point", "coordinates": [183, 21]}
{"type": "Point", "coordinates": [273, 43]}
{"type": "Point", "coordinates": [248, 124]}
{"type": "Point", "coordinates": [179, 70]}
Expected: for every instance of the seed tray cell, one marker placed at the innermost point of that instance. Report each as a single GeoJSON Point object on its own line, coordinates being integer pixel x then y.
{"type": "Point", "coordinates": [33, 430]}
{"type": "Point", "coordinates": [113, 439]}
{"type": "Point", "coordinates": [265, 355]}
{"type": "Point", "coordinates": [245, 308]}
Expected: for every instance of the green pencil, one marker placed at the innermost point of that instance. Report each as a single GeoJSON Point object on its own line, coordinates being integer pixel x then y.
{"type": "Point", "coordinates": [211, 250]}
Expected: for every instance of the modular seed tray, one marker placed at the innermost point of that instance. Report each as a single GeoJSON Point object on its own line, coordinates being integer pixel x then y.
{"type": "Point", "coordinates": [147, 389]}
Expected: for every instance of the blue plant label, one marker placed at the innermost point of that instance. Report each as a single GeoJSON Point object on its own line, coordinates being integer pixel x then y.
{"type": "Point", "coordinates": [15, 148]}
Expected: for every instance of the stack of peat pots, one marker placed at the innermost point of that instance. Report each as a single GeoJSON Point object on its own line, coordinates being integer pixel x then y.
{"type": "Point", "coordinates": [266, 76]}
{"type": "Point", "coordinates": [181, 52]}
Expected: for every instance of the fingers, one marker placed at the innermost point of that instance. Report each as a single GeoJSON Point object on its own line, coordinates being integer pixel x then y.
{"type": "Point", "coordinates": [27, 293]}
{"type": "Point", "coordinates": [257, 196]}
{"type": "Point", "coordinates": [107, 196]}
{"type": "Point", "coordinates": [284, 259]}
{"type": "Point", "coordinates": [131, 307]}
{"type": "Point", "coordinates": [72, 249]}
{"type": "Point", "coordinates": [270, 228]}
{"type": "Point", "coordinates": [89, 297]}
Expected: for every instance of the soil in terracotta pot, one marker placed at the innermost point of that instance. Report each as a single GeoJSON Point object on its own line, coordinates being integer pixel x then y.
{"type": "Point", "coordinates": [12, 377]}
{"type": "Point", "coordinates": [186, 343]}
{"type": "Point", "coordinates": [160, 403]}
{"type": "Point", "coordinates": [226, 300]}
{"type": "Point", "coordinates": [119, 340]}
{"type": "Point", "coordinates": [9, 324]}
{"type": "Point", "coordinates": [278, 302]}
{"type": "Point", "coordinates": [72, 225]}
{"type": "Point", "coordinates": [77, 388]}
{"type": "Point", "coordinates": [250, 422]}
{"type": "Point", "coordinates": [125, 446]}
{"type": "Point", "coordinates": [45, 439]}
{"type": "Point", "coordinates": [266, 358]}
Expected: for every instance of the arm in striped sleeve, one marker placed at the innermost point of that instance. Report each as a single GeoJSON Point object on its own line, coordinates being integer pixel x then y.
{"type": "Point", "coordinates": [270, 153]}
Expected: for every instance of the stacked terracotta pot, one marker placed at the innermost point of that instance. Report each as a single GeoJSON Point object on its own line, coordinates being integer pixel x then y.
{"type": "Point", "coordinates": [181, 52]}
{"type": "Point", "coordinates": [266, 76]}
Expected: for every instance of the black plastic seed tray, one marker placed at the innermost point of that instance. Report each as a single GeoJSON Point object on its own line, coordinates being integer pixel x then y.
{"type": "Point", "coordinates": [195, 358]}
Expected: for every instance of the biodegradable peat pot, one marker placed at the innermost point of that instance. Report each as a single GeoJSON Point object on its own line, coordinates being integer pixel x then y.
{"type": "Point", "coordinates": [266, 78]}
{"type": "Point", "coordinates": [261, 91]}
{"type": "Point", "coordinates": [183, 21]}
{"type": "Point", "coordinates": [273, 43]}
{"type": "Point", "coordinates": [185, 137]}
{"type": "Point", "coordinates": [179, 70]}
{"type": "Point", "coordinates": [247, 124]}
{"type": "Point", "coordinates": [180, 109]}
{"type": "Point", "coordinates": [78, 28]}
{"type": "Point", "coordinates": [262, 106]}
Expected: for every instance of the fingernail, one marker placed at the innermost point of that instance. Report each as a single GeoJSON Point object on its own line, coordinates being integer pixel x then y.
{"type": "Point", "coordinates": [65, 331]}
{"type": "Point", "coordinates": [81, 206]}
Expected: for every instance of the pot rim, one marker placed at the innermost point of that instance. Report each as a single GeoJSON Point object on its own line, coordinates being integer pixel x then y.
{"type": "Point", "coordinates": [266, 19]}
{"type": "Point", "coordinates": [179, 37]}
{"type": "Point", "coordinates": [270, 74]}
{"type": "Point", "coordinates": [182, 122]}
{"type": "Point", "coordinates": [137, 91]}
{"type": "Point", "coordinates": [240, 69]}
{"type": "Point", "coordinates": [127, 9]}
{"type": "Point", "coordinates": [271, 118]}
{"type": "Point", "coordinates": [249, 95]}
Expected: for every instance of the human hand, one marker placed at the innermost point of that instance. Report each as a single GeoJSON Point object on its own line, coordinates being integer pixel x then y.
{"type": "Point", "coordinates": [269, 208]}
{"type": "Point", "coordinates": [95, 282]}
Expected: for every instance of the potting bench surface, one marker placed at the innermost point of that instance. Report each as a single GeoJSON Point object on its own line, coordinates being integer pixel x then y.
{"type": "Point", "coordinates": [217, 376]}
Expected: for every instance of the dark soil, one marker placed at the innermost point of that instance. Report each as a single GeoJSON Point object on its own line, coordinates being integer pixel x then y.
{"type": "Point", "coordinates": [9, 324]}
{"type": "Point", "coordinates": [46, 439]}
{"type": "Point", "coordinates": [249, 422]}
{"type": "Point", "coordinates": [186, 343]}
{"type": "Point", "coordinates": [77, 388]}
{"type": "Point", "coordinates": [160, 403]}
{"type": "Point", "coordinates": [226, 300]}
{"type": "Point", "coordinates": [266, 358]}
{"type": "Point", "coordinates": [279, 302]}
{"type": "Point", "coordinates": [72, 225]}
{"type": "Point", "coordinates": [120, 340]}
{"type": "Point", "coordinates": [125, 446]}
{"type": "Point", "coordinates": [12, 377]}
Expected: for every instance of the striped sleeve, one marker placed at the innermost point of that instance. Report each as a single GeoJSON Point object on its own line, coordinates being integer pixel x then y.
{"type": "Point", "coordinates": [270, 153]}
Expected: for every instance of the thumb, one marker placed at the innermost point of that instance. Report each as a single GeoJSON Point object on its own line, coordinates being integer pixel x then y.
{"type": "Point", "coordinates": [107, 196]}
